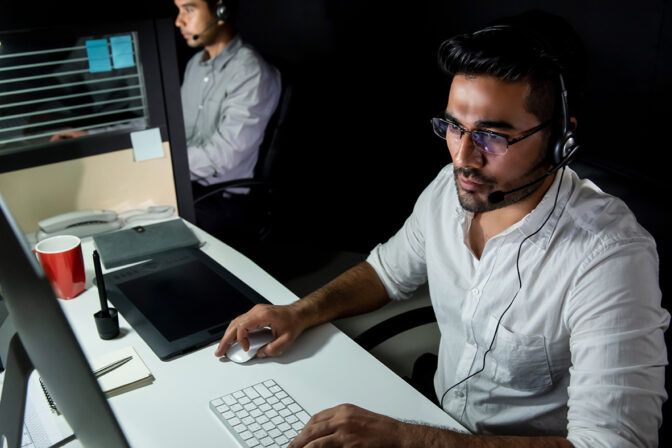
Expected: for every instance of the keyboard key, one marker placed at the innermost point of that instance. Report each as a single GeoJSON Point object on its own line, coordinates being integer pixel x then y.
{"type": "Point", "coordinates": [260, 434]}
{"type": "Point", "coordinates": [234, 421]}
{"type": "Point", "coordinates": [263, 390]}
{"type": "Point", "coordinates": [303, 416]}
{"type": "Point", "coordinates": [246, 435]}
{"type": "Point", "coordinates": [251, 393]}
{"type": "Point", "coordinates": [262, 419]}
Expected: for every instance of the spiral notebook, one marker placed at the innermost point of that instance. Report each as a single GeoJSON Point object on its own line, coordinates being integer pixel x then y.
{"type": "Point", "coordinates": [129, 376]}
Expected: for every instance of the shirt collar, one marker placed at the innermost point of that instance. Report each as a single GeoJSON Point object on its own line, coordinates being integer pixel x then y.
{"type": "Point", "coordinates": [534, 220]}
{"type": "Point", "coordinates": [221, 59]}
{"type": "Point", "coordinates": [533, 224]}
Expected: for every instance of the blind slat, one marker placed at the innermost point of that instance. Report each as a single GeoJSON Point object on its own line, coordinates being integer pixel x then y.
{"type": "Point", "coordinates": [65, 108]}
{"type": "Point", "coordinates": [42, 64]}
{"type": "Point", "coordinates": [47, 134]}
{"type": "Point", "coordinates": [38, 52]}
{"type": "Point", "coordinates": [64, 97]}
{"type": "Point", "coordinates": [70, 84]}
{"type": "Point", "coordinates": [43, 76]}
{"type": "Point", "coordinates": [65, 120]}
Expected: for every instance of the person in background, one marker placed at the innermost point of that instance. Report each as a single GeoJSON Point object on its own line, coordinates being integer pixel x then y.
{"type": "Point", "coordinates": [229, 93]}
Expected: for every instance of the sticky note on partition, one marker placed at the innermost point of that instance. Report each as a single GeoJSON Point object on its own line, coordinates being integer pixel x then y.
{"type": "Point", "coordinates": [122, 51]}
{"type": "Point", "coordinates": [99, 55]}
{"type": "Point", "coordinates": [147, 144]}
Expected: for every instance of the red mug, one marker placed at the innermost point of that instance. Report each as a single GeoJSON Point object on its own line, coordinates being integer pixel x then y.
{"type": "Point", "coordinates": [62, 261]}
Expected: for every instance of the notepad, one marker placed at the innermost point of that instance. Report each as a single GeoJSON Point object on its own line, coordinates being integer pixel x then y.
{"type": "Point", "coordinates": [129, 376]}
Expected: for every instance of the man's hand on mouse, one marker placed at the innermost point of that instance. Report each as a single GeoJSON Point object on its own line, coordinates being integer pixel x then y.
{"type": "Point", "coordinates": [284, 321]}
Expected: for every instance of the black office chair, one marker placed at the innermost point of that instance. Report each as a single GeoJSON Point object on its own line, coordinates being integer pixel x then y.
{"type": "Point", "coordinates": [255, 227]}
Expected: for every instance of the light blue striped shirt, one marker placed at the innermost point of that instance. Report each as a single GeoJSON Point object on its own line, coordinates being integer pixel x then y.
{"type": "Point", "coordinates": [227, 102]}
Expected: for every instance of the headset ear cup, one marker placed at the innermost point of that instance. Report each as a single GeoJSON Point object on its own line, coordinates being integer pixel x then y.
{"type": "Point", "coordinates": [222, 12]}
{"type": "Point", "coordinates": [564, 148]}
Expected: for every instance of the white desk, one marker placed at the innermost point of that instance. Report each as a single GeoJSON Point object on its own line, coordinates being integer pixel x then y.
{"type": "Point", "coordinates": [322, 369]}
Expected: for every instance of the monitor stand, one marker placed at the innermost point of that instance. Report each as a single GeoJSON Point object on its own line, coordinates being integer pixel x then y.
{"type": "Point", "coordinates": [13, 400]}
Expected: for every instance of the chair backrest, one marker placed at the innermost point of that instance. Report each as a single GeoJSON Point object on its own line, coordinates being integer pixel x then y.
{"type": "Point", "coordinates": [271, 146]}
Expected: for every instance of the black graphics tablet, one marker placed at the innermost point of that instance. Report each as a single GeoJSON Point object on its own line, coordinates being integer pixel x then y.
{"type": "Point", "coordinates": [180, 300]}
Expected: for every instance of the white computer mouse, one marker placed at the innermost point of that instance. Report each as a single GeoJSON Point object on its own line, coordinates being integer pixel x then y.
{"type": "Point", "coordinates": [258, 338]}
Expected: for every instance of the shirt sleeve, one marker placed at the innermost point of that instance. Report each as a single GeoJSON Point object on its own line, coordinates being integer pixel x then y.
{"type": "Point", "coordinates": [247, 105]}
{"type": "Point", "coordinates": [617, 377]}
{"type": "Point", "coordinates": [400, 262]}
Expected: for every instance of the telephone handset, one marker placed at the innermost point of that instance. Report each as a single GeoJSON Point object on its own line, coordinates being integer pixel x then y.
{"type": "Point", "coordinates": [80, 223]}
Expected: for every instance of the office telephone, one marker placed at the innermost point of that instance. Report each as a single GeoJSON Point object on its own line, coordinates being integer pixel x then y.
{"type": "Point", "coordinates": [80, 223]}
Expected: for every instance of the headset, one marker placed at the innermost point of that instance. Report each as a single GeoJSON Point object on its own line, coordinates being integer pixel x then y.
{"type": "Point", "coordinates": [566, 145]}
{"type": "Point", "coordinates": [222, 11]}
{"type": "Point", "coordinates": [561, 152]}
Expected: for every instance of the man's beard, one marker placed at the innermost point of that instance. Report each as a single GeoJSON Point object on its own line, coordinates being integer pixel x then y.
{"type": "Point", "coordinates": [472, 203]}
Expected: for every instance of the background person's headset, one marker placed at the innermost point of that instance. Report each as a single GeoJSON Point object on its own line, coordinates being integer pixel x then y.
{"type": "Point", "coordinates": [222, 13]}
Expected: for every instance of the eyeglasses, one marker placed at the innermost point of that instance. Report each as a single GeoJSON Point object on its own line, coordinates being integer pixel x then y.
{"type": "Point", "coordinates": [487, 141]}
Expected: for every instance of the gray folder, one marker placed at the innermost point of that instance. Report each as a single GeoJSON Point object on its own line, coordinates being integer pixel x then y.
{"type": "Point", "coordinates": [142, 242]}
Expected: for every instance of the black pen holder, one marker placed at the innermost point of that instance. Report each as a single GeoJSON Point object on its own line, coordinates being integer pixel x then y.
{"type": "Point", "coordinates": [107, 323]}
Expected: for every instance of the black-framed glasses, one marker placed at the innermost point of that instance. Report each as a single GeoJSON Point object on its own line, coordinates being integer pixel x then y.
{"type": "Point", "coordinates": [487, 141]}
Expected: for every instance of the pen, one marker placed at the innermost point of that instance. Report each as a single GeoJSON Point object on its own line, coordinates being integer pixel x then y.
{"type": "Point", "coordinates": [108, 368]}
{"type": "Point", "coordinates": [100, 283]}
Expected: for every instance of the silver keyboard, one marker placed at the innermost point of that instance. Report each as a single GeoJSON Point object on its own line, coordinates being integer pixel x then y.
{"type": "Point", "coordinates": [262, 415]}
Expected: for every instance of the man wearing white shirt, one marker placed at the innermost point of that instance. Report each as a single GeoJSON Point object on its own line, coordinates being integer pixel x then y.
{"type": "Point", "coordinates": [545, 288]}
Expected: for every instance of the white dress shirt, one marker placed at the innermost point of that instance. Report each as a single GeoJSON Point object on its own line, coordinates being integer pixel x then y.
{"type": "Point", "coordinates": [579, 353]}
{"type": "Point", "coordinates": [227, 102]}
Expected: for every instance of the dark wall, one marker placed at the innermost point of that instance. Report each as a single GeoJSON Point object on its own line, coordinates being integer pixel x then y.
{"type": "Point", "coordinates": [366, 83]}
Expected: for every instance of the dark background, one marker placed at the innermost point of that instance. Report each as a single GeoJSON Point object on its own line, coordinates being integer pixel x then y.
{"type": "Point", "coordinates": [366, 82]}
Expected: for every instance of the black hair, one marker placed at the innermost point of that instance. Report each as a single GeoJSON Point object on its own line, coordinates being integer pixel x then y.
{"type": "Point", "coordinates": [535, 46]}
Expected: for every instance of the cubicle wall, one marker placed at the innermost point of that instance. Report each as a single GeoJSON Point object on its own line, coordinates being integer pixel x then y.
{"type": "Point", "coordinates": [110, 181]}
{"type": "Point", "coordinates": [119, 82]}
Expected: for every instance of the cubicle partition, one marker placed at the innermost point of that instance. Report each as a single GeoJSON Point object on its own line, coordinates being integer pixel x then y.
{"type": "Point", "coordinates": [119, 83]}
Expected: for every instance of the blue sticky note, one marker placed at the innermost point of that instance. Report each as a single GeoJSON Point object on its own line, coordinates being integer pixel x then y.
{"type": "Point", "coordinates": [122, 51]}
{"type": "Point", "coordinates": [147, 144]}
{"type": "Point", "coordinates": [99, 55]}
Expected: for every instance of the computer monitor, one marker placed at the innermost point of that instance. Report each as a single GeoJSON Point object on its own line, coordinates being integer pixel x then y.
{"type": "Point", "coordinates": [43, 340]}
